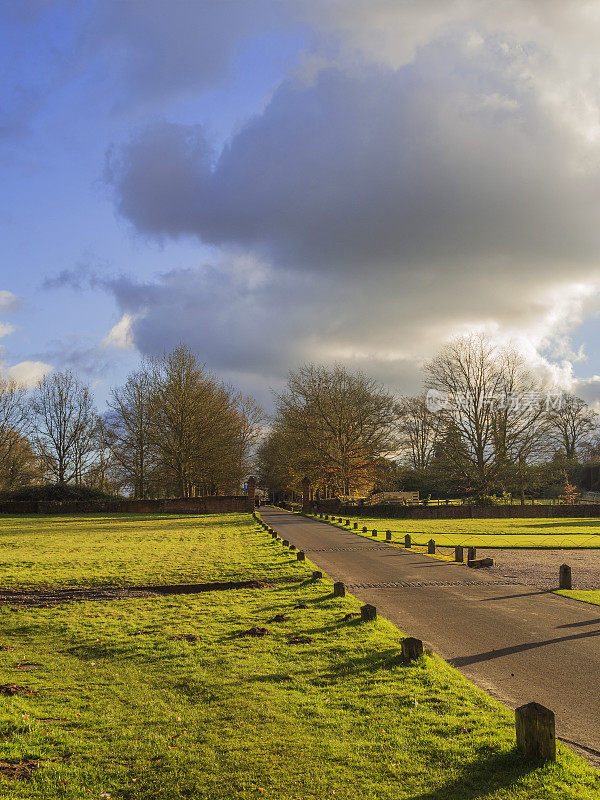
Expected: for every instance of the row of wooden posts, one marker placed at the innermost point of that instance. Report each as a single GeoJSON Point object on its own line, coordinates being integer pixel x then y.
{"type": "Point", "coordinates": [534, 723]}
{"type": "Point", "coordinates": [564, 572]}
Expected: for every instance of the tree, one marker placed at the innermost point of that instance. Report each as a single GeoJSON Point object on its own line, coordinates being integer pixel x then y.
{"type": "Point", "coordinates": [65, 426]}
{"type": "Point", "coordinates": [15, 420]}
{"type": "Point", "coordinates": [201, 430]}
{"type": "Point", "coordinates": [572, 424]}
{"type": "Point", "coordinates": [495, 411]}
{"type": "Point", "coordinates": [419, 430]}
{"type": "Point", "coordinates": [129, 426]}
{"type": "Point", "coordinates": [336, 425]}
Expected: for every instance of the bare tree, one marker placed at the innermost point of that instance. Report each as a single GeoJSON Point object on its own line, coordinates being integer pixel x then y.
{"type": "Point", "coordinates": [130, 424]}
{"type": "Point", "coordinates": [419, 430]}
{"type": "Point", "coordinates": [572, 425]}
{"type": "Point", "coordinates": [65, 426]}
{"type": "Point", "coordinates": [336, 424]}
{"type": "Point", "coordinates": [494, 410]}
{"type": "Point", "coordinates": [15, 419]}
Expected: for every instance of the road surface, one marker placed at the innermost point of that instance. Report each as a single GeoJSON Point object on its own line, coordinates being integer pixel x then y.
{"type": "Point", "coordinates": [517, 642]}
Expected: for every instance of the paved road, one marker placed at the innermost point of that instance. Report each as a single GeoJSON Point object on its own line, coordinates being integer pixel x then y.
{"type": "Point", "coordinates": [517, 642]}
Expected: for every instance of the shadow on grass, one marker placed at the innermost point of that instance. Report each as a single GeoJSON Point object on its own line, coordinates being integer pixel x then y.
{"type": "Point", "coordinates": [384, 659]}
{"type": "Point", "coordinates": [490, 772]}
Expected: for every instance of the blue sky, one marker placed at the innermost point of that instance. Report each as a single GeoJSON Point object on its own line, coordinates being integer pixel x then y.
{"type": "Point", "coordinates": [277, 182]}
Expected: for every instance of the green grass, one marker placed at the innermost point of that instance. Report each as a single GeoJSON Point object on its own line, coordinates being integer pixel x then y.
{"type": "Point", "coordinates": [124, 550]}
{"type": "Point", "coordinates": [532, 532]}
{"type": "Point", "coordinates": [585, 595]}
{"type": "Point", "coordinates": [126, 712]}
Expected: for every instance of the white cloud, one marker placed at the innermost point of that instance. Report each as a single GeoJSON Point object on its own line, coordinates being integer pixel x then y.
{"type": "Point", "coordinates": [121, 334]}
{"type": "Point", "coordinates": [27, 373]}
{"type": "Point", "coordinates": [6, 328]}
{"type": "Point", "coordinates": [9, 301]}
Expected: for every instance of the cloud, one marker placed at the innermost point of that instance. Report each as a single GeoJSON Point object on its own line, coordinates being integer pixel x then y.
{"type": "Point", "coordinates": [6, 329]}
{"type": "Point", "coordinates": [9, 302]}
{"type": "Point", "coordinates": [26, 373]}
{"type": "Point", "coordinates": [154, 51]}
{"type": "Point", "coordinates": [121, 334]}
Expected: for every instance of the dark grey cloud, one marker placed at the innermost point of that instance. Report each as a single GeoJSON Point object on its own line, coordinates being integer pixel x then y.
{"type": "Point", "coordinates": [435, 164]}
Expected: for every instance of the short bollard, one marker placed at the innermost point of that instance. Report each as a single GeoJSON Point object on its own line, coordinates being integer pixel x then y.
{"type": "Point", "coordinates": [317, 575]}
{"type": "Point", "coordinates": [347, 522]}
{"type": "Point", "coordinates": [355, 526]}
{"type": "Point", "coordinates": [407, 541]}
{"type": "Point", "coordinates": [535, 731]}
{"type": "Point", "coordinates": [300, 555]}
{"type": "Point", "coordinates": [412, 649]}
{"type": "Point", "coordinates": [339, 519]}
{"type": "Point", "coordinates": [459, 554]}
{"type": "Point", "coordinates": [339, 590]}
{"type": "Point", "coordinates": [273, 535]}
{"type": "Point", "coordinates": [431, 546]}
{"type": "Point", "coordinates": [364, 530]}
{"type": "Point", "coordinates": [564, 577]}
{"type": "Point", "coordinates": [285, 543]}
{"type": "Point", "coordinates": [373, 532]}
{"type": "Point", "coordinates": [388, 536]}
{"type": "Point", "coordinates": [368, 613]}
{"type": "Point", "coordinates": [292, 547]}
{"type": "Point", "coordinates": [471, 553]}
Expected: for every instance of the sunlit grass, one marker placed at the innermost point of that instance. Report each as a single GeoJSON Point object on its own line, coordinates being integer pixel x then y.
{"type": "Point", "coordinates": [125, 711]}
{"type": "Point", "coordinates": [532, 532]}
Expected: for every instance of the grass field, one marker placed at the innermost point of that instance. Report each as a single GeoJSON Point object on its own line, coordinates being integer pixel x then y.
{"type": "Point", "coordinates": [532, 532]}
{"type": "Point", "coordinates": [585, 595]}
{"type": "Point", "coordinates": [123, 710]}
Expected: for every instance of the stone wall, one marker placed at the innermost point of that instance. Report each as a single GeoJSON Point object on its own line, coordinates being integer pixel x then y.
{"type": "Point", "coordinates": [195, 505]}
{"type": "Point", "coordinates": [583, 510]}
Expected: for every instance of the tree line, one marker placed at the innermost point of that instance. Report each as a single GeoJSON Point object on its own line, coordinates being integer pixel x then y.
{"type": "Point", "coordinates": [172, 429]}
{"type": "Point", "coordinates": [485, 425]}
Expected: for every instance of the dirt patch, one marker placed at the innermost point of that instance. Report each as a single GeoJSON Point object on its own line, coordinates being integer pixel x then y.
{"type": "Point", "coordinates": [279, 618]}
{"type": "Point", "coordinates": [256, 631]}
{"type": "Point", "coordinates": [27, 665]}
{"type": "Point", "coordinates": [540, 567]}
{"type": "Point", "coordinates": [7, 648]}
{"type": "Point", "coordinates": [10, 689]}
{"type": "Point", "coordinates": [185, 637]}
{"type": "Point", "coordinates": [300, 640]}
{"type": "Point", "coordinates": [301, 605]}
{"type": "Point", "coordinates": [46, 598]}
{"type": "Point", "coordinates": [19, 770]}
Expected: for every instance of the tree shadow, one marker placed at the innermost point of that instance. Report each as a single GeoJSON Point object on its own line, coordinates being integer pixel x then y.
{"type": "Point", "coordinates": [385, 659]}
{"type": "Point", "coordinates": [487, 773]}
{"type": "Point", "coordinates": [464, 661]}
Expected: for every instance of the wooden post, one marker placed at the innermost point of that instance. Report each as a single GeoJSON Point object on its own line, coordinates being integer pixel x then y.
{"type": "Point", "coordinates": [388, 536]}
{"type": "Point", "coordinates": [374, 532]}
{"type": "Point", "coordinates": [564, 577]}
{"type": "Point", "coordinates": [412, 649]}
{"type": "Point", "coordinates": [273, 535]}
{"type": "Point", "coordinates": [285, 543]}
{"type": "Point", "coordinates": [364, 530]}
{"type": "Point", "coordinates": [431, 546]}
{"type": "Point", "coordinates": [368, 613]}
{"type": "Point", "coordinates": [292, 547]}
{"type": "Point", "coordinates": [339, 519]}
{"type": "Point", "coordinates": [471, 553]}
{"type": "Point", "coordinates": [347, 522]}
{"type": "Point", "coordinates": [339, 590]}
{"type": "Point", "coordinates": [355, 526]}
{"type": "Point", "coordinates": [407, 540]}
{"type": "Point", "coordinates": [536, 732]}
{"type": "Point", "coordinates": [459, 554]}
{"type": "Point", "coordinates": [316, 576]}
{"type": "Point", "coordinates": [300, 555]}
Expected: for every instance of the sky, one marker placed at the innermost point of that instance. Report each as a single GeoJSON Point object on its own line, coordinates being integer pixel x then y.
{"type": "Point", "coordinates": [274, 183]}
